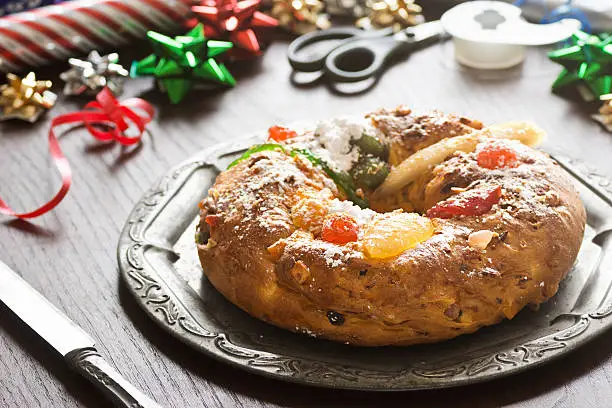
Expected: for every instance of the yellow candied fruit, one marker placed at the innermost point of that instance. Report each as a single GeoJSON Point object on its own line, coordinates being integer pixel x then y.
{"type": "Point", "coordinates": [394, 233]}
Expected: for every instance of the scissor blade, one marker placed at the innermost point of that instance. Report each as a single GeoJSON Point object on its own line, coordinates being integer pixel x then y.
{"type": "Point", "coordinates": [423, 32]}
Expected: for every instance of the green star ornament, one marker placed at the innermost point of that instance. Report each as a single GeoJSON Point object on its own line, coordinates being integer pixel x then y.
{"type": "Point", "coordinates": [181, 62]}
{"type": "Point", "coordinates": [587, 64]}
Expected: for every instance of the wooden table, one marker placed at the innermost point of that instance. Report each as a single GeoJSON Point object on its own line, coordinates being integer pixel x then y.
{"type": "Point", "coordinates": [69, 254]}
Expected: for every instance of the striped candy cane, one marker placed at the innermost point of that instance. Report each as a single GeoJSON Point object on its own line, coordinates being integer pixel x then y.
{"type": "Point", "coordinates": [51, 33]}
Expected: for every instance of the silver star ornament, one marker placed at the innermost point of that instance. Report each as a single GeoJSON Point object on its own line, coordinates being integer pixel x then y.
{"type": "Point", "coordinates": [96, 72]}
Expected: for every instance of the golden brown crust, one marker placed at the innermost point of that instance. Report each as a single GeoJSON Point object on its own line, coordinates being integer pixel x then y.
{"type": "Point", "coordinates": [442, 288]}
{"type": "Point", "coordinates": [408, 132]}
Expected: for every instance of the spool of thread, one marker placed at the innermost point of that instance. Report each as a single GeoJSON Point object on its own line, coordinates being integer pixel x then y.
{"type": "Point", "coordinates": [493, 35]}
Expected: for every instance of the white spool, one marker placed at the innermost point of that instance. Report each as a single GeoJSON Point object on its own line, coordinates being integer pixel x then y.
{"type": "Point", "coordinates": [488, 55]}
{"type": "Point", "coordinates": [492, 34]}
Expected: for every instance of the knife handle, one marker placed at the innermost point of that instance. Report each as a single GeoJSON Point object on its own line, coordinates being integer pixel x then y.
{"type": "Point", "coordinates": [89, 363]}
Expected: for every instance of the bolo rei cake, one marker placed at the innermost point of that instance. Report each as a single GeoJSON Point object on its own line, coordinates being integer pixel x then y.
{"type": "Point", "coordinates": [391, 228]}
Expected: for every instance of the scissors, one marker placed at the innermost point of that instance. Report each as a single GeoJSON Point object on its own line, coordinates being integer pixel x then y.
{"type": "Point", "coordinates": [359, 54]}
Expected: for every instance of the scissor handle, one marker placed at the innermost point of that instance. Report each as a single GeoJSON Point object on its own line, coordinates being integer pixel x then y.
{"type": "Point", "coordinates": [378, 50]}
{"type": "Point", "coordinates": [308, 63]}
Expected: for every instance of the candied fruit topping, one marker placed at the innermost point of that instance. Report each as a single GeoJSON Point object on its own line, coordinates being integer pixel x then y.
{"type": "Point", "coordinates": [310, 210]}
{"type": "Point", "coordinates": [395, 233]}
{"type": "Point", "coordinates": [279, 133]}
{"type": "Point", "coordinates": [471, 202]}
{"type": "Point", "coordinates": [340, 229]}
{"type": "Point", "coordinates": [212, 220]}
{"type": "Point", "coordinates": [308, 214]}
{"type": "Point", "coordinates": [496, 157]}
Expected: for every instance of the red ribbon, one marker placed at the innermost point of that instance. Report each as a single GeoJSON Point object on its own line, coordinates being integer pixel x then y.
{"type": "Point", "coordinates": [106, 119]}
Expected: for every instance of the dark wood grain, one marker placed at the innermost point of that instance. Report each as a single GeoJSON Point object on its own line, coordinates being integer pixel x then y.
{"type": "Point", "coordinates": [69, 255]}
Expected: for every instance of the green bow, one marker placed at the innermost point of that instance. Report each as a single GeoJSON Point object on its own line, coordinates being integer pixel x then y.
{"type": "Point", "coordinates": [587, 64]}
{"type": "Point", "coordinates": [181, 62]}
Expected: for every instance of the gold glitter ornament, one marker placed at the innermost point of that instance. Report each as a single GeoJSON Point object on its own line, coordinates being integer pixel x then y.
{"type": "Point", "coordinates": [300, 16]}
{"type": "Point", "coordinates": [25, 98]}
{"type": "Point", "coordinates": [398, 14]}
{"type": "Point", "coordinates": [605, 113]}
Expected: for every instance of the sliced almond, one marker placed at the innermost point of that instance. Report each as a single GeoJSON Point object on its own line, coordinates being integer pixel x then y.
{"type": "Point", "coordinates": [480, 239]}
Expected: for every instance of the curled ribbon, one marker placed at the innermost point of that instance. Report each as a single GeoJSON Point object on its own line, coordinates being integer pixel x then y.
{"type": "Point", "coordinates": [107, 120]}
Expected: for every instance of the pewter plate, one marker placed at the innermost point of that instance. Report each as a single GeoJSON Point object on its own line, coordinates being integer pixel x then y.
{"type": "Point", "coordinates": [158, 262]}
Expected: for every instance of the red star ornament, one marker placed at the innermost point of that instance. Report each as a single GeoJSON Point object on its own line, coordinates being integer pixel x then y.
{"type": "Point", "coordinates": [234, 20]}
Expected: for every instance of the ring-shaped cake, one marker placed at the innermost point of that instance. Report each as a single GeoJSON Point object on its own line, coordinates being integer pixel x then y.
{"type": "Point", "coordinates": [391, 228]}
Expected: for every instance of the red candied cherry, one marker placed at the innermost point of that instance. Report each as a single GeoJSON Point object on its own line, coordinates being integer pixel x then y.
{"type": "Point", "coordinates": [472, 202]}
{"type": "Point", "coordinates": [340, 229]}
{"type": "Point", "coordinates": [279, 133]}
{"type": "Point", "coordinates": [212, 220]}
{"type": "Point", "coordinates": [494, 156]}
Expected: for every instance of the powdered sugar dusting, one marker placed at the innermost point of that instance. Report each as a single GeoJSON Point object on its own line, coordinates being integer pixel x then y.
{"type": "Point", "coordinates": [362, 215]}
{"type": "Point", "coordinates": [334, 140]}
{"type": "Point", "coordinates": [333, 256]}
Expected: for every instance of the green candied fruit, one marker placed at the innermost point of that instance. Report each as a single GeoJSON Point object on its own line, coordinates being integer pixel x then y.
{"type": "Point", "coordinates": [256, 149]}
{"type": "Point", "coordinates": [343, 180]}
{"type": "Point", "coordinates": [201, 237]}
{"type": "Point", "coordinates": [370, 172]}
{"type": "Point", "coordinates": [198, 237]}
{"type": "Point", "coordinates": [369, 145]}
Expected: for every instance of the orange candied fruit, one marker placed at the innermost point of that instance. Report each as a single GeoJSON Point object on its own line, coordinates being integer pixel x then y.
{"type": "Point", "coordinates": [309, 213]}
{"type": "Point", "coordinates": [279, 133]}
{"type": "Point", "coordinates": [395, 233]}
{"type": "Point", "coordinates": [496, 157]}
{"type": "Point", "coordinates": [340, 229]}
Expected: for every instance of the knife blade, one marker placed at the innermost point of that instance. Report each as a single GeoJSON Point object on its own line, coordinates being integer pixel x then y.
{"type": "Point", "coordinates": [68, 339]}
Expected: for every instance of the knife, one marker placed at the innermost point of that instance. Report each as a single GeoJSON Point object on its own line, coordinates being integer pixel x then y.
{"type": "Point", "coordinates": [76, 346]}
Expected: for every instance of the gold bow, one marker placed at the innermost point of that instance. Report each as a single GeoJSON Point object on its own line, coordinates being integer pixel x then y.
{"type": "Point", "coordinates": [25, 98]}
{"type": "Point", "coordinates": [300, 16]}
{"type": "Point", "coordinates": [398, 14]}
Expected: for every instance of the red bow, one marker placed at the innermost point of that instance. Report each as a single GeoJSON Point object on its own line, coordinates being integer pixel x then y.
{"type": "Point", "coordinates": [234, 20]}
{"type": "Point", "coordinates": [107, 120]}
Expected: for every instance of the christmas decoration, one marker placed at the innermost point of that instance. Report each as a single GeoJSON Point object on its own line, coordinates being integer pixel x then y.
{"type": "Point", "coordinates": [587, 62]}
{"type": "Point", "coordinates": [25, 98]}
{"type": "Point", "coordinates": [391, 13]}
{"type": "Point", "coordinates": [605, 113]}
{"type": "Point", "coordinates": [300, 16]}
{"type": "Point", "coordinates": [93, 74]}
{"type": "Point", "coordinates": [234, 21]}
{"type": "Point", "coordinates": [38, 37]}
{"type": "Point", "coordinates": [16, 6]}
{"type": "Point", "coordinates": [107, 120]}
{"type": "Point", "coordinates": [346, 8]}
{"type": "Point", "coordinates": [180, 63]}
